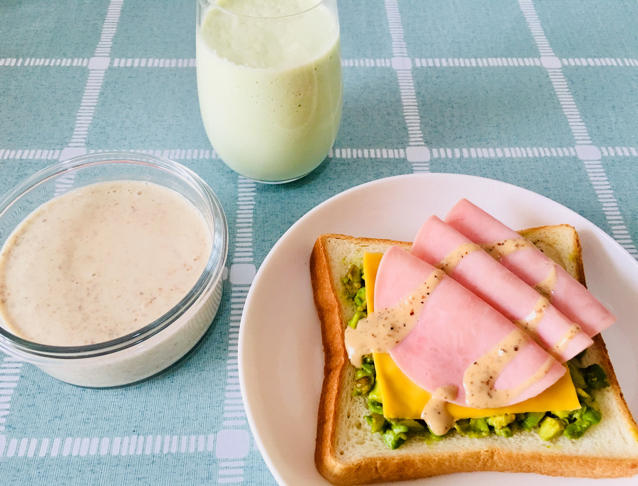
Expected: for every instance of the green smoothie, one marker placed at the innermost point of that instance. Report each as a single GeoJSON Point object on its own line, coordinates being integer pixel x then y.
{"type": "Point", "coordinates": [269, 84]}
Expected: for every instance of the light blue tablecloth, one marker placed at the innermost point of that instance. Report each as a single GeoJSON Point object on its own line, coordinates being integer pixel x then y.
{"type": "Point", "coordinates": [542, 94]}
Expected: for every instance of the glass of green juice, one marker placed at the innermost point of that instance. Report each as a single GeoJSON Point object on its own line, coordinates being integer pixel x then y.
{"type": "Point", "coordinates": [269, 84]}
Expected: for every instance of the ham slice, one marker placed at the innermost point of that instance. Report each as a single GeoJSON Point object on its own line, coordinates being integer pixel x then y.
{"type": "Point", "coordinates": [567, 294]}
{"type": "Point", "coordinates": [454, 329]}
{"type": "Point", "coordinates": [441, 245]}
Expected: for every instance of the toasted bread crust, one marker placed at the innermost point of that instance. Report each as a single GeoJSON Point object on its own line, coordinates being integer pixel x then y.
{"type": "Point", "coordinates": [335, 357]}
{"type": "Point", "coordinates": [604, 361]}
{"type": "Point", "coordinates": [410, 465]}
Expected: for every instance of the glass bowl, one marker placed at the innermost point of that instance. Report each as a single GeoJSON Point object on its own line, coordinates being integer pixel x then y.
{"type": "Point", "coordinates": [158, 344]}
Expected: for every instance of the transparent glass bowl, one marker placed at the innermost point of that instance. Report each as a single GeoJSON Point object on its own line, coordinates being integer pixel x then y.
{"type": "Point", "coordinates": [157, 345]}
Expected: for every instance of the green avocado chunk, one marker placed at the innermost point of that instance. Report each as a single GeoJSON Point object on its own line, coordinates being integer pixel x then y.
{"type": "Point", "coordinates": [562, 414]}
{"type": "Point", "coordinates": [363, 385]}
{"type": "Point", "coordinates": [550, 428]}
{"type": "Point", "coordinates": [532, 419]}
{"type": "Point", "coordinates": [376, 422]}
{"type": "Point", "coordinates": [500, 421]}
{"type": "Point", "coordinates": [354, 289]}
{"type": "Point", "coordinates": [357, 316]}
{"type": "Point", "coordinates": [405, 425]}
{"type": "Point", "coordinates": [595, 377]}
{"type": "Point", "coordinates": [583, 418]}
{"type": "Point", "coordinates": [375, 402]}
{"type": "Point", "coordinates": [375, 407]}
{"type": "Point", "coordinates": [577, 377]}
{"type": "Point", "coordinates": [360, 300]}
{"type": "Point", "coordinates": [475, 428]}
{"type": "Point", "coordinates": [394, 439]}
{"type": "Point", "coordinates": [375, 393]}
{"type": "Point", "coordinates": [352, 281]}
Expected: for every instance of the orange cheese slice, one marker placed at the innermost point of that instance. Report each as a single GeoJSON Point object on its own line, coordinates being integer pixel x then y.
{"type": "Point", "coordinates": [402, 398]}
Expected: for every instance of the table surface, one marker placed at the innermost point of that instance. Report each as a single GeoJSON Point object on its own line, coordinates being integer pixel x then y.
{"type": "Point", "coordinates": [542, 94]}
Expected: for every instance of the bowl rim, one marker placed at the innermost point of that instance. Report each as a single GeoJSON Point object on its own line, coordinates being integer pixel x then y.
{"type": "Point", "coordinates": [211, 275]}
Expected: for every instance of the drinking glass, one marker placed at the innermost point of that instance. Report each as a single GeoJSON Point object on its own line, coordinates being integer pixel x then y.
{"type": "Point", "coordinates": [269, 84]}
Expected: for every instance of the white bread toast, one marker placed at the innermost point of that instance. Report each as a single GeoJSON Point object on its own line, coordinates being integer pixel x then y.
{"type": "Point", "coordinates": [347, 452]}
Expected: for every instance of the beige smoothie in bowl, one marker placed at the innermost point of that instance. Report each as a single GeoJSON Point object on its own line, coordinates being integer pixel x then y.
{"type": "Point", "coordinates": [269, 84]}
{"type": "Point", "coordinates": [110, 282]}
{"type": "Point", "coordinates": [100, 262]}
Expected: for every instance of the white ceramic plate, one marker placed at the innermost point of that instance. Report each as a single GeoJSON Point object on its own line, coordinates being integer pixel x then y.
{"type": "Point", "coordinates": [280, 350]}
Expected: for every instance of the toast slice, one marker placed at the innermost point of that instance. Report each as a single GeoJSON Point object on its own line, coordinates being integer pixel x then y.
{"type": "Point", "coordinates": [347, 452]}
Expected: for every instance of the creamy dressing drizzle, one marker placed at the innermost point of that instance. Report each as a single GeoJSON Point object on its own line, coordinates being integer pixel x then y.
{"type": "Point", "coordinates": [384, 329]}
{"type": "Point", "coordinates": [565, 339]}
{"type": "Point", "coordinates": [531, 322]}
{"type": "Point", "coordinates": [436, 414]}
{"type": "Point", "coordinates": [503, 248]}
{"type": "Point", "coordinates": [546, 287]}
{"type": "Point", "coordinates": [479, 378]}
{"type": "Point", "coordinates": [449, 263]}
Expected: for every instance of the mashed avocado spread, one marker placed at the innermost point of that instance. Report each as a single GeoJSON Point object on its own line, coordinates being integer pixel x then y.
{"type": "Point", "coordinates": [548, 425]}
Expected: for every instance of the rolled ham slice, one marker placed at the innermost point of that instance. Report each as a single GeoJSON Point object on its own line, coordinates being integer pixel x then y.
{"type": "Point", "coordinates": [567, 294]}
{"type": "Point", "coordinates": [455, 329]}
{"type": "Point", "coordinates": [441, 245]}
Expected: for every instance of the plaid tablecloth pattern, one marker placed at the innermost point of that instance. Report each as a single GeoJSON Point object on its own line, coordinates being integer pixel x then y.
{"type": "Point", "coordinates": [539, 93]}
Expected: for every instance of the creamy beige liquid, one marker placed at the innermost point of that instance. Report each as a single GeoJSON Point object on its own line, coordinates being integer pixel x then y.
{"type": "Point", "coordinates": [546, 287]}
{"type": "Point", "coordinates": [479, 378]}
{"type": "Point", "coordinates": [384, 329]}
{"type": "Point", "coordinates": [566, 338]}
{"type": "Point", "coordinates": [503, 248]}
{"type": "Point", "coordinates": [531, 322]}
{"type": "Point", "coordinates": [436, 414]}
{"type": "Point", "coordinates": [450, 262]}
{"type": "Point", "coordinates": [100, 262]}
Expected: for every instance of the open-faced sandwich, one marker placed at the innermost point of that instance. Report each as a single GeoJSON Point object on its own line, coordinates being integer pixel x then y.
{"type": "Point", "coordinates": [473, 348]}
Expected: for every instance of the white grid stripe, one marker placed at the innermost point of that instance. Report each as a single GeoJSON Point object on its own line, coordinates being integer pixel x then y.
{"type": "Point", "coordinates": [191, 62]}
{"type": "Point", "coordinates": [97, 66]}
{"type": "Point", "coordinates": [36, 154]}
{"type": "Point", "coordinates": [181, 154]}
{"type": "Point", "coordinates": [135, 62]}
{"type": "Point", "coordinates": [535, 27]}
{"type": "Point", "coordinates": [241, 271]}
{"type": "Point", "coordinates": [501, 152]}
{"type": "Point", "coordinates": [86, 111]}
{"type": "Point", "coordinates": [109, 28]}
{"type": "Point", "coordinates": [36, 447]}
{"type": "Point", "coordinates": [9, 377]}
{"type": "Point", "coordinates": [97, 69]}
{"type": "Point", "coordinates": [589, 154]}
{"type": "Point", "coordinates": [416, 152]}
{"type": "Point", "coordinates": [568, 104]}
{"type": "Point", "coordinates": [421, 62]}
{"type": "Point", "coordinates": [44, 62]}
{"type": "Point", "coordinates": [442, 62]}
{"type": "Point", "coordinates": [399, 48]}
{"type": "Point", "coordinates": [600, 61]}
{"type": "Point", "coordinates": [366, 62]}
{"type": "Point", "coordinates": [348, 153]}
{"type": "Point", "coordinates": [619, 151]}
